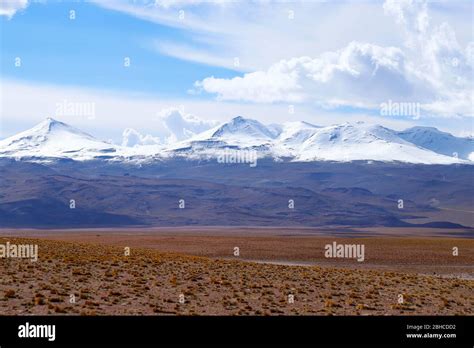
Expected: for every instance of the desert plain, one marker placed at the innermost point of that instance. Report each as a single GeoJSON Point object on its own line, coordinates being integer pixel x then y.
{"type": "Point", "coordinates": [276, 271]}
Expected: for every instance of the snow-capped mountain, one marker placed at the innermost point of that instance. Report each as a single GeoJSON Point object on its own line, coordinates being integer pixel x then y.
{"type": "Point", "coordinates": [240, 127]}
{"type": "Point", "coordinates": [237, 134]}
{"type": "Point", "coordinates": [440, 142]}
{"type": "Point", "coordinates": [55, 139]}
{"type": "Point", "coordinates": [293, 141]}
{"type": "Point", "coordinates": [302, 141]}
{"type": "Point", "coordinates": [361, 141]}
{"type": "Point", "coordinates": [292, 136]}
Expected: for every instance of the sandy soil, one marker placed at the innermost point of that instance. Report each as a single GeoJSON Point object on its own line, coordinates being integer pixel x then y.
{"type": "Point", "coordinates": [149, 281]}
{"type": "Point", "coordinates": [393, 249]}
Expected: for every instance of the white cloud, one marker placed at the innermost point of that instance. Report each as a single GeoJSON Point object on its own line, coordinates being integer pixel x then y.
{"type": "Point", "coordinates": [131, 138]}
{"type": "Point", "coordinates": [332, 78]}
{"type": "Point", "coordinates": [166, 15]}
{"type": "Point", "coordinates": [191, 53]}
{"type": "Point", "coordinates": [10, 7]}
{"type": "Point", "coordinates": [186, 3]}
{"type": "Point", "coordinates": [259, 32]}
{"type": "Point", "coordinates": [430, 68]}
{"type": "Point", "coordinates": [412, 15]}
{"type": "Point", "coordinates": [182, 126]}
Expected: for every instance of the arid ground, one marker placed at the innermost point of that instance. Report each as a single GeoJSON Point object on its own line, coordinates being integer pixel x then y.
{"type": "Point", "coordinates": [278, 272]}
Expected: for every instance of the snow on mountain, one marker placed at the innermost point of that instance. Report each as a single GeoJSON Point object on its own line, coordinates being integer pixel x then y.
{"type": "Point", "coordinates": [238, 134]}
{"type": "Point", "coordinates": [361, 141]}
{"type": "Point", "coordinates": [292, 136]}
{"type": "Point", "coordinates": [295, 141]}
{"type": "Point", "coordinates": [243, 127]}
{"type": "Point", "coordinates": [52, 138]}
{"type": "Point", "coordinates": [439, 142]}
{"type": "Point", "coordinates": [275, 129]}
{"type": "Point", "coordinates": [248, 133]}
{"type": "Point", "coordinates": [302, 141]}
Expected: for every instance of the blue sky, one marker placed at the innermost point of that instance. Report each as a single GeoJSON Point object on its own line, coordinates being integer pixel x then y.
{"type": "Point", "coordinates": [329, 62]}
{"type": "Point", "coordinates": [90, 50]}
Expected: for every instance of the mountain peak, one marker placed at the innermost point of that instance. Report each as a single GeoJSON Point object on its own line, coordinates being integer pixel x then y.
{"type": "Point", "coordinates": [238, 119]}
{"type": "Point", "coordinates": [244, 127]}
{"type": "Point", "coordinates": [52, 138]}
{"type": "Point", "coordinates": [50, 127]}
{"type": "Point", "coordinates": [438, 141]}
{"type": "Point", "coordinates": [423, 129]}
{"type": "Point", "coordinates": [49, 123]}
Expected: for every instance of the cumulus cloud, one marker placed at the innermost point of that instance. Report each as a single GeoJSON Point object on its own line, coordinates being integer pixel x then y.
{"type": "Point", "coordinates": [173, 125]}
{"type": "Point", "coordinates": [131, 138]}
{"type": "Point", "coordinates": [181, 126]}
{"type": "Point", "coordinates": [10, 7]}
{"type": "Point", "coordinates": [430, 68]}
{"type": "Point", "coordinates": [334, 77]}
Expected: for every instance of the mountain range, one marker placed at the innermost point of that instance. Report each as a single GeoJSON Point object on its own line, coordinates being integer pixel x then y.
{"type": "Point", "coordinates": [291, 141]}
{"type": "Point", "coordinates": [352, 175]}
